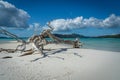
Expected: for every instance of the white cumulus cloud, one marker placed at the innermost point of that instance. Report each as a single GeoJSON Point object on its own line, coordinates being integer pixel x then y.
{"type": "Point", "coordinates": [10, 16]}
{"type": "Point", "coordinates": [80, 22]}
{"type": "Point", "coordinates": [36, 28]}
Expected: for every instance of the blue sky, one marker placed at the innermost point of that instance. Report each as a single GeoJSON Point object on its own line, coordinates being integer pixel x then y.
{"type": "Point", "coordinates": [46, 10]}
{"type": "Point", "coordinates": [75, 15]}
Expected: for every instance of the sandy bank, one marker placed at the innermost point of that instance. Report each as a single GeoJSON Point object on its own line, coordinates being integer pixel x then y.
{"type": "Point", "coordinates": [61, 63]}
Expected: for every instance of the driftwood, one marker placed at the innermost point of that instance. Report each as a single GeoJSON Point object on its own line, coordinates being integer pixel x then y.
{"type": "Point", "coordinates": [38, 42]}
{"type": "Point", "coordinates": [8, 50]}
{"type": "Point", "coordinates": [6, 57]}
{"type": "Point", "coordinates": [27, 52]}
{"type": "Point", "coordinates": [21, 47]}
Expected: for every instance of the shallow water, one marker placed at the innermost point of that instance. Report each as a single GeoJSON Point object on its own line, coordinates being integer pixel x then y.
{"type": "Point", "coordinates": [109, 44]}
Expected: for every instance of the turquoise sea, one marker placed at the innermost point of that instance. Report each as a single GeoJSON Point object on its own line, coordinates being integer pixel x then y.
{"type": "Point", "coordinates": [107, 44]}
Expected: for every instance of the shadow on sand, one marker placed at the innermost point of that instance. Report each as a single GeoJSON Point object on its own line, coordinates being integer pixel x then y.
{"type": "Point", "coordinates": [47, 54]}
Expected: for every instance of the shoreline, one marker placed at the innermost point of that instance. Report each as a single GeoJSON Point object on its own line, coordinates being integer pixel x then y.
{"type": "Point", "coordinates": [83, 47]}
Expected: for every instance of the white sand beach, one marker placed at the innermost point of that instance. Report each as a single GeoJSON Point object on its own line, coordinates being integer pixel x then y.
{"type": "Point", "coordinates": [61, 63]}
